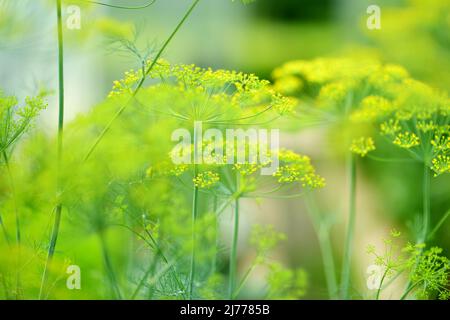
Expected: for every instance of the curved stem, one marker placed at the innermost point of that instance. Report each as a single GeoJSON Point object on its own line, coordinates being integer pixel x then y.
{"type": "Point", "coordinates": [348, 249]}
{"type": "Point", "coordinates": [408, 291]}
{"type": "Point", "coordinates": [58, 210]}
{"type": "Point", "coordinates": [381, 284]}
{"type": "Point", "coordinates": [121, 7]}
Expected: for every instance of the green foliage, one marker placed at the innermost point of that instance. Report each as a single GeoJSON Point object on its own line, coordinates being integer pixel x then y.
{"type": "Point", "coordinates": [427, 269]}
{"type": "Point", "coordinates": [285, 284]}
{"type": "Point", "coordinates": [16, 119]}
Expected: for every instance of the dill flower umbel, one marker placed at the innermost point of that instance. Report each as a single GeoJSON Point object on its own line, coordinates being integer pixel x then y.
{"type": "Point", "coordinates": [372, 97]}
{"type": "Point", "coordinates": [407, 140]}
{"type": "Point", "coordinates": [206, 179]}
{"type": "Point", "coordinates": [297, 168]}
{"type": "Point", "coordinates": [441, 164]}
{"type": "Point", "coordinates": [362, 146]}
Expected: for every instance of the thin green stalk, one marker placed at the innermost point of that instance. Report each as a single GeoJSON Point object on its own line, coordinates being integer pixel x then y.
{"type": "Point", "coordinates": [141, 283]}
{"type": "Point", "coordinates": [121, 7]}
{"type": "Point", "coordinates": [172, 269]}
{"type": "Point", "coordinates": [233, 251]}
{"type": "Point", "coordinates": [58, 209]}
{"type": "Point", "coordinates": [381, 284]}
{"type": "Point", "coordinates": [5, 233]}
{"type": "Point", "coordinates": [408, 290]}
{"type": "Point", "coordinates": [16, 212]}
{"type": "Point", "coordinates": [426, 193]}
{"type": "Point", "coordinates": [326, 249]}
{"type": "Point", "coordinates": [140, 84]}
{"type": "Point", "coordinates": [439, 224]}
{"type": "Point", "coordinates": [245, 279]}
{"type": "Point", "coordinates": [158, 254]}
{"type": "Point", "coordinates": [214, 260]}
{"type": "Point", "coordinates": [193, 250]}
{"type": "Point", "coordinates": [13, 192]}
{"type": "Point", "coordinates": [348, 249]}
{"type": "Point", "coordinates": [426, 213]}
{"type": "Point", "coordinates": [109, 267]}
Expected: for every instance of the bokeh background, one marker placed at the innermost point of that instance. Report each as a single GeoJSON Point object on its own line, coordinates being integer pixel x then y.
{"type": "Point", "coordinates": [255, 38]}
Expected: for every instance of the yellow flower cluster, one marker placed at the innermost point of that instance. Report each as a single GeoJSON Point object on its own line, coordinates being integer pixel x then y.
{"type": "Point", "coordinates": [371, 108]}
{"type": "Point", "coordinates": [206, 179]}
{"type": "Point", "coordinates": [297, 168]}
{"type": "Point", "coordinates": [441, 164]}
{"type": "Point", "coordinates": [246, 169]}
{"type": "Point", "coordinates": [362, 146]}
{"type": "Point", "coordinates": [408, 112]}
{"type": "Point", "coordinates": [406, 140]}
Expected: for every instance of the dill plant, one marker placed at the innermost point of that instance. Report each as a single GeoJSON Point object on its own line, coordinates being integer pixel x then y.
{"type": "Point", "coordinates": [366, 100]}
{"type": "Point", "coordinates": [224, 99]}
{"type": "Point", "coordinates": [58, 208]}
{"type": "Point", "coordinates": [132, 198]}
{"type": "Point", "coordinates": [427, 269]}
{"type": "Point", "coordinates": [15, 121]}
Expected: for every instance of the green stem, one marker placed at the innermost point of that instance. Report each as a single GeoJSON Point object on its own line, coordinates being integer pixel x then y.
{"type": "Point", "coordinates": [323, 235]}
{"type": "Point", "coordinates": [13, 191]}
{"type": "Point", "coordinates": [193, 238]}
{"type": "Point", "coordinates": [439, 225]}
{"type": "Point", "coordinates": [58, 209]}
{"type": "Point", "coordinates": [426, 212]}
{"type": "Point", "coordinates": [245, 279]}
{"type": "Point", "coordinates": [17, 217]}
{"type": "Point", "coordinates": [348, 249]}
{"type": "Point", "coordinates": [172, 269]}
{"type": "Point", "coordinates": [141, 283]}
{"type": "Point", "coordinates": [109, 267]}
{"type": "Point", "coordinates": [426, 192]}
{"type": "Point", "coordinates": [140, 84]}
{"type": "Point", "coordinates": [408, 291]}
{"type": "Point", "coordinates": [381, 284]}
{"type": "Point", "coordinates": [5, 233]}
{"type": "Point", "coordinates": [233, 251]}
{"type": "Point", "coordinates": [121, 7]}
{"type": "Point", "coordinates": [215, 211]}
